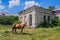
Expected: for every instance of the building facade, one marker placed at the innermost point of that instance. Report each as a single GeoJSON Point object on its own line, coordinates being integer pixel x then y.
{"type": "Point", "coordinates": [35, 15]}
{"type": "Point", "coordinates": [57, 13]}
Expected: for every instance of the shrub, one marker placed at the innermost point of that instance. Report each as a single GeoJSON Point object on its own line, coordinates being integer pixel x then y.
{"type": "Point", "coordinates": [8, 20]}
{"type": "Point", "coordinates": [46, 24]}
{"type": "Point", "coordinates": [55, 22]}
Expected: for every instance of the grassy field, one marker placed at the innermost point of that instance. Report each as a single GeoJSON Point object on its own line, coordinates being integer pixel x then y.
{"type": "Point", "coordinates": [30, 34]}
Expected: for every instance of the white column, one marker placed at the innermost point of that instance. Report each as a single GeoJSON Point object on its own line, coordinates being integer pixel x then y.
{"type": "Point", "coordinates": [28, 19]}
{"type": "Point", "coordinates": [33, 19]}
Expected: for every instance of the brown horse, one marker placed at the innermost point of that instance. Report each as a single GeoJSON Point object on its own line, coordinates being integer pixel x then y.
{"type": "Point", "coordinates": [18, 26]}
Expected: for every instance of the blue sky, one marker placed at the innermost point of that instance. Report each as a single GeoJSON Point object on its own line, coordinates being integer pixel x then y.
{"type": "Point", "coordinates": [15, 6]}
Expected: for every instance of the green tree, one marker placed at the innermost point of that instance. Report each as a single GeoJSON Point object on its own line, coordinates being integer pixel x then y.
{"type": "Point", "coordinates": [51, 7]}
{"type": "Point", "coordinates": [18, 21]}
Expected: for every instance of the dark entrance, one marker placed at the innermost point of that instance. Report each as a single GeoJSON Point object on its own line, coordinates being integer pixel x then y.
{"type": "Point", "coordinates": [30, 19]}
{"type": "Point", "coordinates": [44, 18]}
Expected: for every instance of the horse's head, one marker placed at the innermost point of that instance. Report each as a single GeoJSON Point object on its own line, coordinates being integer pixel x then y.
{"type": "Point", "coordinates": [25, 23]}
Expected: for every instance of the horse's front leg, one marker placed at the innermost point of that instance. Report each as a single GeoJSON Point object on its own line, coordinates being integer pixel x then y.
{"type": "Point", "coordinates": [21, 30]}
{"type": "Point", "coordinates": [15, 30]}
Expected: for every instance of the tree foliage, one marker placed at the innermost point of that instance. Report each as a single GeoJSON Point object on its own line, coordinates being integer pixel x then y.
{"type": "Point", "coordinates": [18, 21]}
{"type": "Point", "coordinates": [51, 7]}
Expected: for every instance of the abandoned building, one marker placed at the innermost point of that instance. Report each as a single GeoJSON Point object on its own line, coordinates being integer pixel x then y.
{"type": "Point", "coordinates": [35, 15]}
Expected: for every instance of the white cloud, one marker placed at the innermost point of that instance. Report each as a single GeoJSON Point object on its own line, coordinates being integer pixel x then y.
{"type": "Point", "coordinates": [14, 3]}
{"type": "Point", "coordinates": [30, 3]}
{"type": "Point", "coordinates": [1, 6]}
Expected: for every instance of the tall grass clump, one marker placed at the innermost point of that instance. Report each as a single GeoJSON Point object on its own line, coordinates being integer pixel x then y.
{"type": "Point", "coordinates": [5, 33]}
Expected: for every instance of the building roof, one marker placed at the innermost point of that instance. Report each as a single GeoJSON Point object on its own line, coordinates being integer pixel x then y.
{"type": "Point", "coordinates": [32, 8]}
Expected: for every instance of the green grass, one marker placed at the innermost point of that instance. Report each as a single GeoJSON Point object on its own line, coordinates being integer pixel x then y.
{"type": "Point", "coordinates": [3, 27]}
{"type": "Point", "coordinates": [30, 34]}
